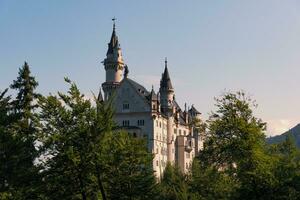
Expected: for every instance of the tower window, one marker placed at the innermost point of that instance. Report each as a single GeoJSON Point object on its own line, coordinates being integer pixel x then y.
{"type": "Point", "coordinates": [125, 122]}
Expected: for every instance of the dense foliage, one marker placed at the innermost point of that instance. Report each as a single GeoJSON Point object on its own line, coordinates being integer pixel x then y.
{"type": "Point", "coordinates": [66, 146]}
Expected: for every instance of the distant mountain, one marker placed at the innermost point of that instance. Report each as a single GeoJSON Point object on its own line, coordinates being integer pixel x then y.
{"type": "Point", "coordinates": [294, 132]}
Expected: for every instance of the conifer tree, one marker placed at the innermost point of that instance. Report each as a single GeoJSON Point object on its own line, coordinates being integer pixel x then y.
{"type": "Point", "coordinates": [173, 184]}
{"type": "Point", "coordinates": [19, 135]}
{"type": "Point", "coordinates": [6, 148]}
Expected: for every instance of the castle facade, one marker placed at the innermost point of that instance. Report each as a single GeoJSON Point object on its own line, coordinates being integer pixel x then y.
{"type": "Point", "coordinates": [155, 116]}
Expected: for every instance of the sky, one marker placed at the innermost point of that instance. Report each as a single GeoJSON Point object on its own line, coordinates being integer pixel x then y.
{"type": "Point", "coordinates": [211, 46]}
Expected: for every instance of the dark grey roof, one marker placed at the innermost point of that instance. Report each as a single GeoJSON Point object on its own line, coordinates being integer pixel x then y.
{"type": "Point", "coordinates": [181, 114]}
{"type": "Point", "coordinates": [165, 80]}
{"type": "Point", "coordinates": [153, 96]}
{"type": "Point", "coordinates": [114, 42]}
{"type": "Point", "coordinates": [142, 91]}
{"type": "Point", "coordinates": [194, 110]}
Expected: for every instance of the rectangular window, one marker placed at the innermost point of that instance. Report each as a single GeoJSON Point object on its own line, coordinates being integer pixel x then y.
{"type": "Point", "coordinates": [125, 106]}
{"type": "Point", "coordinates": [179, 131]}
{"type": "Point", "coordinates": [125, 122]}
{"type": "Point", "coordinates": [141, 122]}
{"type": "Point", "coordinates": [175, 131]}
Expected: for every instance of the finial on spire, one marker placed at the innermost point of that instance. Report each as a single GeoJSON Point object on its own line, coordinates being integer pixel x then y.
{"type": "Point", "coordinates": [166, 62]}
{"type": "Point", "coordinates": [114, 23]}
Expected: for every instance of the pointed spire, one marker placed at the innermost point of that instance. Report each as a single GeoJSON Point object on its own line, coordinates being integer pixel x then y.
{"type": "Point", "coordinates": [153, 95]}
{"type": "Point", "coordinates": [114, 41]}
{"type": "Point", "coordinates": [100, 97]}
{"type": "Point", "coordinates": [166, 80]}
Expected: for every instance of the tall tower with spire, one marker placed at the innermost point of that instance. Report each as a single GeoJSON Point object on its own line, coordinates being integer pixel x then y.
{"type": "Point", "coordinates": [166, 91]}
{"type": "Point", "coordinates": [113, 64]}
{"type": "Point", "coordinates": [167, 107]}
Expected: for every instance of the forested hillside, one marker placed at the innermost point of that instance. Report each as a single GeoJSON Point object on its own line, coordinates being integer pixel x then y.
{"type": "Point", "coordinates": [293, 133]}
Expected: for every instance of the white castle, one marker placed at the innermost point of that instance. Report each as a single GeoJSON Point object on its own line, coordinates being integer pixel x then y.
{"type": "Point", "coordinates": [154, 116]}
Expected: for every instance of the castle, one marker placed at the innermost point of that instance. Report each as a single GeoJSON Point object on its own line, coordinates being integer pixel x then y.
{"type": "Point", "coordinates": [156, 116]}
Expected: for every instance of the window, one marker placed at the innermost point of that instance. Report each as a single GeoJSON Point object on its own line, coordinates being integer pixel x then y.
{"type": "Point", "coordinates": [125, 122]}
{"type": "Point", "coordinates": [157, 150]}
{"type": "Point", "coordinates": [134, 134]}
{"type": "Point", "coordinates": [179, 131]}
{"type": "Point", "coordinates": [157, 163]}
{"type": "Point", "coordinates": [141, 122]}
{"type": "Point", "coordinates": [184, 132]}
{"type": "Point", "coordinates": [175, 130]}
{"type": "Point", "coordinates": [159, 124]}
{"type": "Point", "coordinates": [125, 106]}
{"type": "Point", "coordinates": [156, 123]}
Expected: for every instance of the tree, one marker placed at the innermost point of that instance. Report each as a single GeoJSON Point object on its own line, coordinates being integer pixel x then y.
{"type": "Point", "coordinates": [85, 158]}
{"type": "Point", "coordinates": [6, 148]}
{"type": "Point", "coordinates": [209, 183]}
{"type": "Point", "coordinates": [128, 172]}
{"type": "Point", "coordinates": [235, 145]}
{"type": "Point", "coordinates": [173, 184]}
{"type": "Point", "coordinates": [68, 132]}
{"type": "Point", "coordinates": [286, 169]}
{"type": "Point", "coordinates": [19, 136]}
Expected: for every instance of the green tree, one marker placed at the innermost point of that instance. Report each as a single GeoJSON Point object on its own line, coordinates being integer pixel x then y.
{"type": "Point", "coordinates": [19, 137]}
{"type": "Point", "coordinates": [286, 170]}
{"type": "Point", "coordinates": [173, 184]}
{"type": "Point", "coordinates": [209, 183]}
{"type": "Point", "coordinates": [235, 146]}
{"type": "Point", "coordinates": [6, 148]}
{"type": "Point", "coordinates": [69, 127]}
{"type": "Point", "coordinates": [128, 172]}
{"type": "Point", "coordinates": [85, 158]}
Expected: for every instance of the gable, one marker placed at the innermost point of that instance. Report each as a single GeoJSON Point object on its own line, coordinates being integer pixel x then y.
{"type": "Point", "coordinates": [131, 97]}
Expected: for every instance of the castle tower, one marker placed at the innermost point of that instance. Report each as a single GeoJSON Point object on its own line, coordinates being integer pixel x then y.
{"type": "Point", "coordinates": [113, 64]}
{"type": "Point", "coordinates": [166, 91]}
{"type": "Point", "coordinates": [167, 108]}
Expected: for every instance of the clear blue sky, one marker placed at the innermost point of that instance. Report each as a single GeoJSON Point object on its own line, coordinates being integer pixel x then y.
{"type": "Point", "coordinates": [211, 46]}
